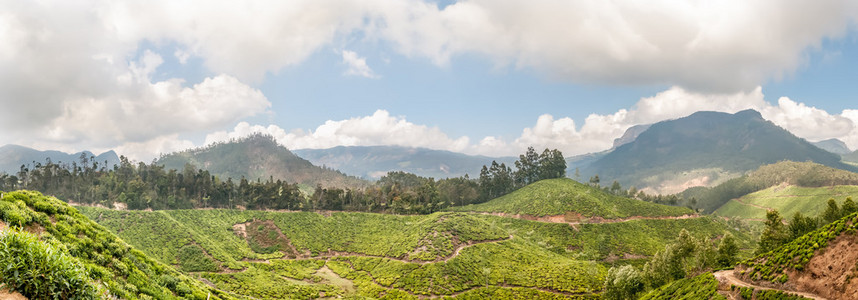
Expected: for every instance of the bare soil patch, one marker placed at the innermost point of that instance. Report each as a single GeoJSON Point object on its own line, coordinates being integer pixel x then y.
{"type": "Point", "coordinates": [831, 273]}
{"type": "Point", "coordinates": [10, 295]}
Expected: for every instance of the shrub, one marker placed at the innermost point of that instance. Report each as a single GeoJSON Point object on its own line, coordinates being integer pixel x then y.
{"type": "Point", "coordinates": [39, 270]}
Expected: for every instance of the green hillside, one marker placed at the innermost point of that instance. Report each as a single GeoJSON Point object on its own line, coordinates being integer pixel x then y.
{"type": "Point", "coordinates": [801, 174]}
{"type": "Point", "coordinates": [295, 254]}
{"type": "Point", "coordinates": [788, 200]}
{"type": "Point", "coordinates": [563, 195]}
{"type": "Point", "coordinates": [822, 262]}
{"type": "Point", "coordinates": [257, 157]}
{"type": "Point", "coordinates": [731, 143]}
{"type": "Point", "coordinates": [438, 254]}
{"type": "Point", "coordinates": [63, 245]}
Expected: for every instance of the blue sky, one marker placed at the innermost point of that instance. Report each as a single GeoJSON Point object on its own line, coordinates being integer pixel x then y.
{"type": "Point", "coordinates": [479, 77]}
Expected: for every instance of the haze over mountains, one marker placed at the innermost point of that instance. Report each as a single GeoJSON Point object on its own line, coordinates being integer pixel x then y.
{"type": "Point", "coordinates": [13, 156]}
{"type": "Point", "coordinates": [372, 162]}
{"type": "Point", "coordinates": [703, 149]}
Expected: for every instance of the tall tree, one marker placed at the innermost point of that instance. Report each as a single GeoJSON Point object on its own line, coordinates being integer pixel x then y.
{"type": "Point", "coordinates": [774, 235]}
{"type": "Point", "coordinates": [528, 168]}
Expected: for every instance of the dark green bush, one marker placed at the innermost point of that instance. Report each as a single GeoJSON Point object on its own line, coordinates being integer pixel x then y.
{"type": "Point", "coordinates": [39, 270]}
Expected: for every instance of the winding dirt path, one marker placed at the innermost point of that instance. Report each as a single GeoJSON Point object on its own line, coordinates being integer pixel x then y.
{"type": "Point", "coordinates": [728, 276]}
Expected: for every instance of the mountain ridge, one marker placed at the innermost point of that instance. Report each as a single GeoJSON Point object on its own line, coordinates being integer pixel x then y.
{"type": "Point", "coordinates": [375, 161]}
{"type": "Point", "coordinates": [13, 156]}
{"type": "Point", "coordinates": [705, 146]}
{"type": "Point", "coordinates": [257, 157]}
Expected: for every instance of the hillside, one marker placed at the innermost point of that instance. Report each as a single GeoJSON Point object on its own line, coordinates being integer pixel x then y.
{"type": "Point", "coordinates": [13, 156]}
{"type": "Point", "coordinates": [834, 146]}
{"type": "Point", "coordinates": [787, 199]}
{"type": "Point", "coordinates": [775, 176]}
{"type": "Point", "coordinates": [822, 262]}
{"type": "Point", "coordinates": [375, 161]}
{"type": "Point", "coordinates": [573, 200]}
{"type": "Point", "coordinates": [102, 261]}
{"type": "Point", "coordinates": [290, 254]}
{"type": "Point", "coordinates": [704, 148]}
{"type": "Point", "coordinates": [257, 157]}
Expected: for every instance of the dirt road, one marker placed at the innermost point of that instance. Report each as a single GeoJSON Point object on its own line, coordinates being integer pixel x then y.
{"type": "Point", "coordinates": [730, 278]}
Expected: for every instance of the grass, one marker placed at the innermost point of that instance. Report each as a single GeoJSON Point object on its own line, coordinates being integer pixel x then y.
{"type": "Point", "coordinates": [562, 195]}
{"type": "Point", "coordinates": [787, 200]}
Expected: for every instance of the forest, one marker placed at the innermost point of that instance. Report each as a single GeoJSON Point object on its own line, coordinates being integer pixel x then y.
{"type": "Point", "coordinates": [152, 186]}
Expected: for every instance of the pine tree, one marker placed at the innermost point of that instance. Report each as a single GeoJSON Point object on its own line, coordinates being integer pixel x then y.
{"type": "Point", "coordinates": [774, 235]}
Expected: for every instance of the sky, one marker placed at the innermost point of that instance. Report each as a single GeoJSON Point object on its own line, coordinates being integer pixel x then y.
{"type": "Point", "coordinates": [487, 77]}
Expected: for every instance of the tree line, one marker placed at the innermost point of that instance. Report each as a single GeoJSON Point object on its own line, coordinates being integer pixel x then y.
{"type": "Point", "coordinates": [777, 234]}
{"type": "Point", "coordinates": [686, 257]}
{"type": "Point", "coordinates": [152, 186]}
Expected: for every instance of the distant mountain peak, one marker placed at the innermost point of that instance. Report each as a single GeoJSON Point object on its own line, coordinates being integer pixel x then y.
{"type": "Point", "coordinates": [750, 113]}
{"type": "Point", "coordinates": [257, 156]}
{"type": "Point", "coordinates": [630, 135]}
{"type": "Point", "coordinates": [13, 156]}
{"type": "Point", "coordinates": [675, 153]}
{"type": "Point", "coordinates": [376, 161]}
{"type": "Point", "coordinates": [835, 146]}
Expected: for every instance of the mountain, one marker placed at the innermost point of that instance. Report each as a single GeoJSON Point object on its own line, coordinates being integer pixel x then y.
{"type": "Point", "coordinates": [257, 157]}
{"type": "Point", "coordinates": [582, 161]}
{"type": "Point", "coordinates": [834, 146]}
{"type": "Point", "coordinates": [13, 156]}
{"type": "Point", "coordinates": [567, 197]}
{"type": "Point", "coordinates": [704, 148]}
{"type": "Point", "coordinates": [630, 135]}
{"type": "Point", "coordinates": [850, 158]}
{"type": "Point", "coordinates": [375, 161]}
{"type": "Point", "coordinates": [51, 251]}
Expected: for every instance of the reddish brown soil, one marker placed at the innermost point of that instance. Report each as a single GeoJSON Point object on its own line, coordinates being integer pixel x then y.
{"type": "Point", "coordinates": [6, 295]}
{"type": "Point", "coordinates": [832, 272]}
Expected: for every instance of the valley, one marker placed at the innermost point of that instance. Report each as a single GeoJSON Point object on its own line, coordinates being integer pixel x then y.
{"type": "Point", "coordinates": [757, 227]}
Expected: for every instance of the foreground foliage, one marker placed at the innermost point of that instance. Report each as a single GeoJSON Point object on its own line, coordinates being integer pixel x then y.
{"type": "Point", "coordinates": [795, 255]}
{"type": "Point", "coordinates": [40, 270]}
{"type": "Point", "coordinates": [124, 272]}
{"type": "Point", "coordinates": [703, 286]}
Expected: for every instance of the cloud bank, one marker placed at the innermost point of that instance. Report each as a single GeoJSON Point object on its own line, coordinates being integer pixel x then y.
{"type": "Point", "coordinates": [595, 134]}
{"type": "Point", "coordinates": [77, 74]}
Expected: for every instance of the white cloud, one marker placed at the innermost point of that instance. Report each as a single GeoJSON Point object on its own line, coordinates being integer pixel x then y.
{"type": "Point", "coordinates": [71, 79]}
{"type": "Point", "coordinates": [599, 131]}
{"type": "Point", "coordinates": [357, 65]}
{"type": "Point", "coordinates": [702, 45]}
{"type": "Point", "coordinates": [145, 151]}
{"type": "Point", "coordinates": [378, 129]}
{"type": "Point", "coordinates": [182, 56]}
{"type": "Point", "coordinates": [595, 134]}
{"type": "Point", "coordinates": [70, 74]}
